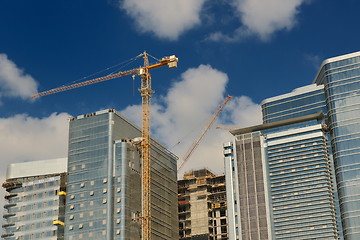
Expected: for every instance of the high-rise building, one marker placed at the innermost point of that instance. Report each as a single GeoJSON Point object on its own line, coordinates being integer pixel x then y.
{"type": "Point", "coordinates": [284, 181]}
{"type": "Point", "coordinates": [341, 79]}
{"type": "Point", "coordinates": [35, 202]}
{"type": "Point", "coordinates": [248, 213]}
{"type": "Point", "coordinates": [104, 181]}
{"type": "Point", "coordinates": [335, 92]}
{"type": "Point", "coordinates": [202, 206]}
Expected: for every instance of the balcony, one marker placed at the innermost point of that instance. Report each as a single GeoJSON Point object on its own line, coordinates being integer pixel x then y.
{"type": "Point", "coordinates": [9, 205]}
{"type": "Point", "coordinates": [5, 225]}
{"type": "Point", "coordinates": [6, 235]}
{"type": "Point", "coordinates": [10, 195]}
{"type": "Point", "coordinates": [11, 185]}
{"type": "Point", "coordinates": [6, 215]}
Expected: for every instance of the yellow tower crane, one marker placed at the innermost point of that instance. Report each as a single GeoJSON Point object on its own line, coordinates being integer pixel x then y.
{"type": "Point", "coordinates": [146, 92]}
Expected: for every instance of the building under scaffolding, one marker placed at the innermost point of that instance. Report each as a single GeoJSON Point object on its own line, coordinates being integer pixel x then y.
{"type": "Point", "coordinates": [202, 206]}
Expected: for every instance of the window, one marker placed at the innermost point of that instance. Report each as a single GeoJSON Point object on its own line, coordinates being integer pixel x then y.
{"type": "Point", "coordinates": [104, 190]}
{"type": "Point", "coordinates": [104, 222]}
{"type": "Point", "coordinates": [81, 226]}
{"type": "Point", "coordinates": [92, 183]}
{"type": "Point", "coordinates": [118, 200]}
{"type": "Point", "coordinates": [118, 189]}
{"type": "Point", "coordinates": [105, 180]}
{"type": "Point", "coordinates": [72, 207]}
{"type": "Point", "coordinates": [71, 227]}
{"type": "Point", "coordinates": [71, 217]}
{"type": "Point", "coordinates": [91, 213]}
{"type": "Point", "coordinates": [104, 201]}
{"type": "Point", "coordinates": [72, 196]}
{"type": "Point", "coordinates": [83, 166]}
{"type": "Point", "coordinates": [82, 185]}
{"type": "Point", "coordinates": [117, 232]}
{"type": "Point", "coordinates": [91, 193]}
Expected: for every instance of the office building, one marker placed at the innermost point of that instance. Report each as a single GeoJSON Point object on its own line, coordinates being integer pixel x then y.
{"type": "Point", "coordinates": [104, 181]}
{"type": "Point", "coordinates": [202, 206]}
{"type": "Point", "coordinates": [284, 182]}
{"type": "Point", "coordinates": [248, 213]}
{"type": "Point", "coordinates": [341, 79]}
{"type": "Point", "coordinates": [335, 92]}
{"type": "Point", "coordinates": [35, 200]}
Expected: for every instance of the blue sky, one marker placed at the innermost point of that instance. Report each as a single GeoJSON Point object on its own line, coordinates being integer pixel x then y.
{"type": "Point", "coordinates": [250, 49]}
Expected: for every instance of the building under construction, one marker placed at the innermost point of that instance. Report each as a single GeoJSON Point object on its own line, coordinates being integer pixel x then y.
{"type": "Point", "coordinates": [202, 206]}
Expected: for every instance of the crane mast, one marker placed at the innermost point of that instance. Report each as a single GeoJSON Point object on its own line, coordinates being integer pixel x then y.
{"type": "Point", "coordinates": [146, 92]}
{"type": "Point", "coordinates": [208, 125]}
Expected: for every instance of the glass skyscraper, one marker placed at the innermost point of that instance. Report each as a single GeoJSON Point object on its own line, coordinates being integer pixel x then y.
{"type": "Point", "coordinates": [340, 101]}
{"type": "Point", "coordinates": [341, 79]}
{"type": "Point", "coordinates": [104, 181]}
{"type": "Point", "coordinates": [336, 93]}
{"type": "Point", "coordinates": [35, 200]}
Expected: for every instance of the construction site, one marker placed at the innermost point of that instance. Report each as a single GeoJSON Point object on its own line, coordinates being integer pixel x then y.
{"type": "Point", "coordinates": [122, 184]}
{"type": "Point", "coordinates": [202, 206]}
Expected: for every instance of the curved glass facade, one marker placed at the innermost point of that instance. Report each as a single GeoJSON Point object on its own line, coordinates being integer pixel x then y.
{"type": "Point", "coordinates": [341, 78]}
{"type": "Point", "coordinates": [300, 102]}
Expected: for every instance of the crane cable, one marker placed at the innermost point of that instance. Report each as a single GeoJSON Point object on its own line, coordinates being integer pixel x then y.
{"type": "Point", "coordinates": [122, 65]}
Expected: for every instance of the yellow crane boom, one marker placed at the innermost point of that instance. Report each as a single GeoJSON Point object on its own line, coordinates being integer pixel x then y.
{"type": "Point", "coordinates": [196, 143]}
{"type": "Point", "coordinates": [146, 92]}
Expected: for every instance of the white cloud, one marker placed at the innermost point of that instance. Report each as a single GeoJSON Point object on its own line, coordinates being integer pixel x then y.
{"type": "Point", "coordinates": [166, 19]}
{"type": "Point", "coordinates": [182, 114]}
{"type": "Point", "coordinates": [25, 138]}
{"type": "Point", "coordinates": [261, 18]}
{"type": "Point", "coordinates": [169, 19]}
{"type": "Point", "coordinates": [13, 81]}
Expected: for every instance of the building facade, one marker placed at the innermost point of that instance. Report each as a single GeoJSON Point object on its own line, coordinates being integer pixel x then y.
{"type": "Point", "coordinates": [341, 79]}
{"type": "Point", "coordinates": [35, 203]}
{"type": "Point", "coordinates": [245, 187]}
{"type": "Point", "coordinates": [335, 92]}
{"type": "Point", "coordinates": [202, 206]}
{"type": "Point", "coordinates": [104, 181]}
{"type": "Point", "coordinates": [284, 181]}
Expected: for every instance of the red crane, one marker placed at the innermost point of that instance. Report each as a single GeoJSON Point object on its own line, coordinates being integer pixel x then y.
{"type": "Point", "coordinates": [208, 125]}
